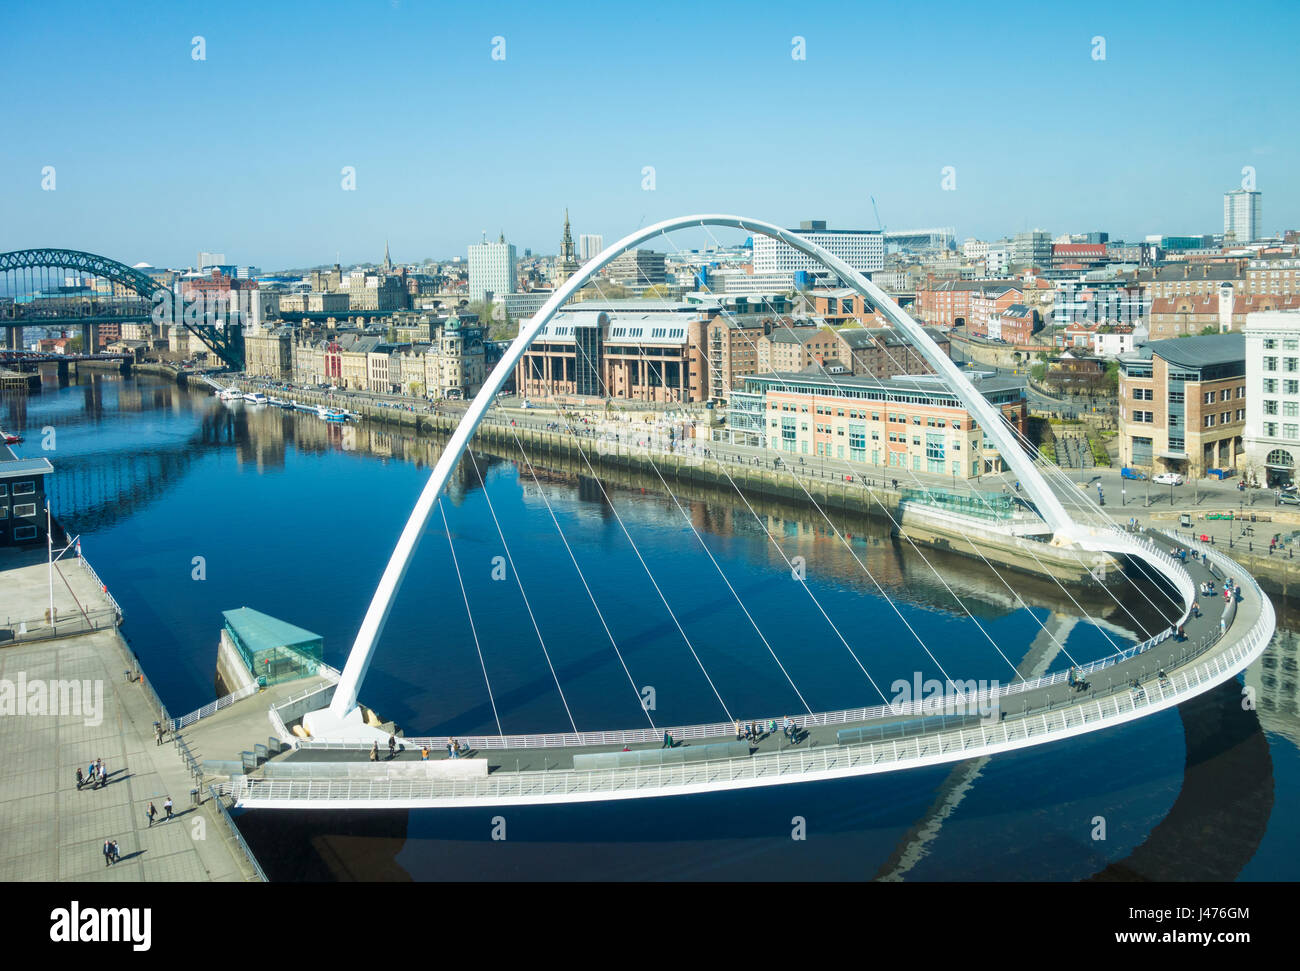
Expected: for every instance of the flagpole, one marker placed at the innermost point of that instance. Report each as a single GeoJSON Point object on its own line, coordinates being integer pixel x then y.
{"type": "Point", "coordinates": [49, 542]}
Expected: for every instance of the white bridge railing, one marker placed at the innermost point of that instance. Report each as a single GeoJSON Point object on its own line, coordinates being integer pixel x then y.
{"type": "Point", "coordinates": [791, 764]}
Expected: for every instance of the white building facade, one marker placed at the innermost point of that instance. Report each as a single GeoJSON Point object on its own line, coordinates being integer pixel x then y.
{"type": "Point", "coordinates": [491, 269]}
{"type": "Point", "coordinates": [1242, 210]}
{"type": "Point", "coordinates": [862, 249]}
{"type": "Point", "coordinates": [1272, 435]}
{"type": "Point", "coordinates": [997, 259]}
{"type": "Point", "coordinates": [589, 244]}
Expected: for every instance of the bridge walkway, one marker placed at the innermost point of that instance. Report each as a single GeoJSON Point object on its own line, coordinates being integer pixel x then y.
{"type": "Point", "coordinates": [1168, 656]}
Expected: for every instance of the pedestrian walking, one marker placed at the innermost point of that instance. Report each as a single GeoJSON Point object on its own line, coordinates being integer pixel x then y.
{"type": "Point", "coordinates": [374, 752]}
{"type": "Point", "coordinates": [392, 746]}
{"type": "Point", "coordinates": [151, 812]}
{"type": "Point", "coordinates": [424, 753]}
{"type": "Point", "coordinates": [167, 807]}
{"type": "Point", "coordinates": [116, 854]}
{"type": "Point", "coordinates": [80, 778]}
{"type": "Point", "coordinates": [108, 853]}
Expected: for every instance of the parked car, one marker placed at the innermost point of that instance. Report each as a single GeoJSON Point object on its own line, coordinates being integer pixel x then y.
{"type": "Point", "coordinates": [1288, 498]}
{"type": "Point", "coordinates": [1169, 478]}
{"type": "Point", "coordinates": [1128, 473]}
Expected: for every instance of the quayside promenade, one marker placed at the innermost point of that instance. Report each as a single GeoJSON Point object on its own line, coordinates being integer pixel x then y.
{"type": "Point", "coordinates": [50, 830]}
{"type": "Point", "coordinates": [1218, 639]}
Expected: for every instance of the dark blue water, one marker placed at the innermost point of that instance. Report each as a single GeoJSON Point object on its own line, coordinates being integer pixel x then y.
{"type": "Point", "coordinates": [295, 517]}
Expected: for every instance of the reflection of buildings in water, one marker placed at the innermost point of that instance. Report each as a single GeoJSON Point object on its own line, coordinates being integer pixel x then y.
{"type": "Point", "coordinates": [900, 570]}
{"type": "Point", "coordinates": [1275, 681]}
{"type": "Point", "coordinates": [15, 411]}
{"type": "Point", "coordinates": [131, 397]}
{"type": "Point", "coordinates": [260, 435]}
{"type": "Point", "coordinates": [92, 398]}
{"type": "Point", "coordinates": [896, 566]}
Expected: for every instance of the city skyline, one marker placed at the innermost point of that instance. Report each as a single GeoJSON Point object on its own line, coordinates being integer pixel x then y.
{"type": "Point", "coordinates": [245, 150]}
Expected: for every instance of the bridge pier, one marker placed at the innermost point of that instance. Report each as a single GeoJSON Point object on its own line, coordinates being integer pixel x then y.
{"type": "Point", "coordinates": [89, 338]}
{"type": "Point", "coordinates": [14, 339]}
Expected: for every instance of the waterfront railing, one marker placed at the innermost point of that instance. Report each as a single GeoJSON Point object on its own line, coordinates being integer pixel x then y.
{"type": "Point", "coordinates": [26, 630]}
{"type": "Point", "coordinates": [103, 587]}
{"type": "Point", "coordinates": [213, 707]}
{"type": "Point", "coordinates": [218, 796]}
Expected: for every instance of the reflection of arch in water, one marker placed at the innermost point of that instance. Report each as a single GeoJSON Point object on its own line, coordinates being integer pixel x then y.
{"type": "Point", "coordinates": [1219, 819]}
{"type": "Point", "coordinates": [99, 490]}
{"type": "Point", "coordinates": [899, 568]}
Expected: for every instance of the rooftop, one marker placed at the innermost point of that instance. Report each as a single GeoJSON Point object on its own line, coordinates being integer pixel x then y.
{"type": "Point", "coordinates": [11, 464]}
{"type": "Point", "coordinates": [1196, 352]}
{"type": "Point", "coordinates": [261, 631]}
{"type": "Point", "coordinates": [917, 382]}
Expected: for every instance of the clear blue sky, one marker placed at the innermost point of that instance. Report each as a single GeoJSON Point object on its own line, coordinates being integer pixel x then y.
{"type": "Point", "coordinates": [158, 156]}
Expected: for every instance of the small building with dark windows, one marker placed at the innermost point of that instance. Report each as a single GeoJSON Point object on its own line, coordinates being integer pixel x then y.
{"type": "Point", "coordinates": [22, 499]}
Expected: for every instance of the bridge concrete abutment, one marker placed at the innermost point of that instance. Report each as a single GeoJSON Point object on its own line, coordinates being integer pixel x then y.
{"type": "Point", "coordinates": [14, 339]}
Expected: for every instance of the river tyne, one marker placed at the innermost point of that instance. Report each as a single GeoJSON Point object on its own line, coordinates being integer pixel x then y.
{"type": "Point", "coordinates": [188, 506]}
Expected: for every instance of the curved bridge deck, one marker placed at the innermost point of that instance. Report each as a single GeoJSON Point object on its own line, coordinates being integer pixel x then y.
{"type": "Point", "coordinates": [531, 771]}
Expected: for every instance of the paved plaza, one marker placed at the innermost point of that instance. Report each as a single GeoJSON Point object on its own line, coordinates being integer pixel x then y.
{"type": "Point", "coordinates": [49, 829]}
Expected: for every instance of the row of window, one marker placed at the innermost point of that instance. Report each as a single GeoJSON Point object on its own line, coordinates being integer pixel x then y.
{"type": "Point", "coordinates": [26, 510]}
{"type": "Point", "coordinates": [1224, 394]}
{"type": "Point", "coordinates": [20, 488]}
{"type": "Point", "coordinates": [1290, 344]}
{"type": "Point", "coordinates": [1225, 418]}
{"type": "Point", "coordinates": [1290, 409]}
{"type": "Point", "coordinates": [1288, 364]}
{"type": "Point", "coordinates": [1288, 430]}
{"type": "Point", "coordinates": [1288, 387]}
{"type": "Point", "coordinates": [897, 419]}
{"type": "Point", "coordinates": [22, 532]}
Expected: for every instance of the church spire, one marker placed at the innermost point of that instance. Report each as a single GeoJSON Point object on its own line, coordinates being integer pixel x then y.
{"type": "Point", "coordinates": [566, 241]}
{"type": "Point", "coordinates": [567, 264]}
{"type": "Point", "coordinates": [388, 263]}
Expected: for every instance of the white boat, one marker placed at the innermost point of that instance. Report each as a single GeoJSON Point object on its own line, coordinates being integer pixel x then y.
{"type": "Point", "coordinates": [255, 397]}
{"type": "Point", "coordinates": [230, 394]}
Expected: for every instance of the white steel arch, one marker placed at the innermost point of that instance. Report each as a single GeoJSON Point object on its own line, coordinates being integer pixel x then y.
{"type": "Point", "coordinates": [344, 704]}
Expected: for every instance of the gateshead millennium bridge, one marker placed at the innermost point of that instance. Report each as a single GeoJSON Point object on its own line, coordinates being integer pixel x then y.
{"type": "Point", "coordinates": [1207, 641]}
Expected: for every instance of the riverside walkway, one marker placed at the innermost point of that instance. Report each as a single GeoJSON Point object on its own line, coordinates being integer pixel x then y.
{"type": "Point", "coordinates": [49, 829]}
{"type": "Point", "coordinates": [541, 768]}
